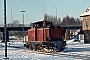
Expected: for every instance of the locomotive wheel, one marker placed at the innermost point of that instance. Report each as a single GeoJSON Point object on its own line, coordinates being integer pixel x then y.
{"type": "Point", "coordinates": [38, 47]}
{"type": "Point", "coordinates": [27, 46]}
{"type": "Point", "coordinates": [30, 47]}
{"type": "Point", "coordinates": [54, 50]}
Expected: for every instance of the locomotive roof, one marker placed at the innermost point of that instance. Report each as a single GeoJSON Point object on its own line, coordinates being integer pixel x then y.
{"type": "Point", "coordinates": [41, 21]}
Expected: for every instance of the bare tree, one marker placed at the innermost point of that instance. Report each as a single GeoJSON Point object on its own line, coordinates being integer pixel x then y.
{"type": "Point", "coordinates": [71, 20]}
{"type": "Point", "coordinates": [52, 19]}
{"type": "Point", "coordinates": [16, 23]}
{"type": "Point", "coordinates": [67, 20]}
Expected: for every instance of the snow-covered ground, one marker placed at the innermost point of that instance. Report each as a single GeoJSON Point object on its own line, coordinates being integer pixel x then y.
{"type": "Point", "coordinates": [74, 51]}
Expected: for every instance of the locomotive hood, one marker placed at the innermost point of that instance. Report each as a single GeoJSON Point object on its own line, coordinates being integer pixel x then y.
{"type": "Point", "coordinates": [86, 13]}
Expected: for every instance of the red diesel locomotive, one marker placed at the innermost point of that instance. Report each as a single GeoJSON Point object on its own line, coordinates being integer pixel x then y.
{"type": "Point", "coordinates": [45, 37]}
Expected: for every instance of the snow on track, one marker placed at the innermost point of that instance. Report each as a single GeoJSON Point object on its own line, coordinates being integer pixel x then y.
{"type": "Point", "coordinates": [74, 51]}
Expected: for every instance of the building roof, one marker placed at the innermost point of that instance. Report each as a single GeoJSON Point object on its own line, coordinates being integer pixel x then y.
{"type": "Point", "coordinates": [86, 12]}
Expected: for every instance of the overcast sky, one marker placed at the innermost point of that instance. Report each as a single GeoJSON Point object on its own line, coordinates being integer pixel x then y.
{"type": "Point", "coordinates": [35, 9]}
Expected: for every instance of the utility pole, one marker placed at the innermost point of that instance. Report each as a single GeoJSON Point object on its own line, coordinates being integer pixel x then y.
{"type": "Point", "coordinates": [56, 15]}
{"type": "Point", "coordinates": [23, 24]}
{"type": "Point", "coordinates": [11, 17]}
{"type": "Point", "coordinates": [56, 12]}
{"type": "Point", "coordinates": [5, 30]}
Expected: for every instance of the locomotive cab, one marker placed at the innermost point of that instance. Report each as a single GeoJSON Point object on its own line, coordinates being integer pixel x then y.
{"type": "Point", "coordinates": [43, 23]}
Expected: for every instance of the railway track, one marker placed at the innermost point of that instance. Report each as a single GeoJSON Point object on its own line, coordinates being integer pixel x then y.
{"type": "Point", "coordinates": [47, 53]}
{"type": "Point", "coordinates": [63, 54]}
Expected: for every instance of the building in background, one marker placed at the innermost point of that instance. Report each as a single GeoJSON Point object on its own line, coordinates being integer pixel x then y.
{"type": "Point", "coordinates": [85, 17]}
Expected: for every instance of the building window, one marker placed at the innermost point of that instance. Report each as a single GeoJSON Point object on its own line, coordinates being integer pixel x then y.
{"type": "Point", "coordinates": [87, 10]}
{"type": "Point", "coordinates": [87, 23]}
